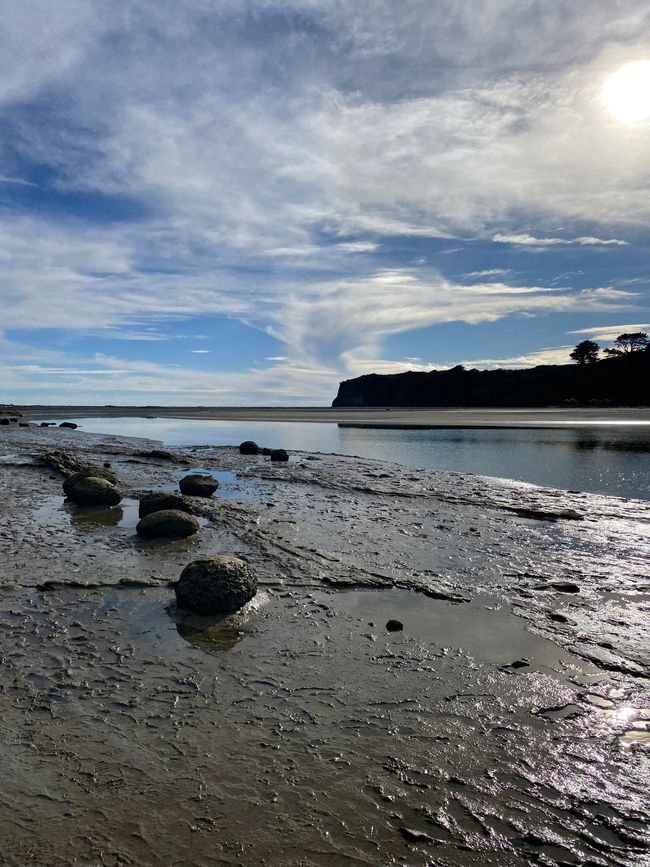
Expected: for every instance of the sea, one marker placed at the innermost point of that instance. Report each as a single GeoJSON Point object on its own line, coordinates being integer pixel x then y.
{"type": "Point", "coordinates": [607, 460]}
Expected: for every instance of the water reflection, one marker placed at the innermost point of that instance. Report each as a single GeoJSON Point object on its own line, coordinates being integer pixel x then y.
{"type": "Point", "coordinates": [215, 634]}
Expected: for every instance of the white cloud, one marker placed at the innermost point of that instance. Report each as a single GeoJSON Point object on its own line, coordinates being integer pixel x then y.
{"type": "Point", "coordinates": [611, 332]}
{"type": "Point", "coordinates": [531, 241]}
{"type": "Point", "coordinates": [491, 272]}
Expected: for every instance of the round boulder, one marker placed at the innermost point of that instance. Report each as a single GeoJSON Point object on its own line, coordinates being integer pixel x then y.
{"type": "Point", "coordinates": [69, 424]}
{"type": "Point", "coordinates": [160, 501]}
{"type": "Point", "coordinates": [198, 485]}
{"type": "Point", "coordinates": [168, 522]}
{"type": "Point", "coordinates": [279, 455]}
{"type": "Point", "coordinates": [216, 585]}
{"type": "Point", "coordinates": [394, 626]}
{"type": "Point", "coordinates": [248, 447]}
{"type": "Point", "coordinates": [92, 491]}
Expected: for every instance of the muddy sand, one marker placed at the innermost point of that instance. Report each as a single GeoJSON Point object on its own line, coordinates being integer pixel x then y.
{"type": "Point", "coordinates": [506, 724]}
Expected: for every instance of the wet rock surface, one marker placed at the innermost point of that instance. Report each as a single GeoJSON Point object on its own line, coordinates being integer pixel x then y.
{"type": "Point", "coordinates": [294, 732]}
{"type": "Point", "coordinates": [216, 585]}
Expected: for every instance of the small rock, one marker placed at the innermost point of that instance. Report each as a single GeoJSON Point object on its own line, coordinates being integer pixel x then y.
{"type": "Point", "coordinates": [394, 626]}
{"type": "Point", "coordinates": [4, 421]}
{"type": "Point", "coordinates": [248, 447]}
{"type": "Point", "coordinates": [279, 455]}
{"type": "Point", "coordinates": [69, 424]}
{"type": "Point", "coordinates": [160, 501]}
{"type": "Point", "coordinates": [558, 618]}
{"type": "Point", "coordinates": [519, 663]}
{"type": "Point", "coordinates": [216, 585]}
{"type": "Point", "coordinates": [168, 522]}
{"type": "Point", "coordinates": [198, 485]}
{"type": "Point", "coordinates": [415, 836]}
{"type": "Point", "coordinates": [565, 586]}
{"type": "Point", "coordinates": [92, 491]}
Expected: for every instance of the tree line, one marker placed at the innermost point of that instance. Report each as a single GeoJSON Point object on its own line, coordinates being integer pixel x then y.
{"type": "Point", "coordinates": [586, 352]}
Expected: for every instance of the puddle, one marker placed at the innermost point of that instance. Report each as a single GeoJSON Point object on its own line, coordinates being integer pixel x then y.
{"type": "Point", "coordinates": [59, 512]}
{"type": "Point", "coordinates": [479, 628]}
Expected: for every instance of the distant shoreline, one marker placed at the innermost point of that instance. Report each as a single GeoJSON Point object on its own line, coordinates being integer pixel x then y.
{"type": "Point", "coordinates": [380, 417]}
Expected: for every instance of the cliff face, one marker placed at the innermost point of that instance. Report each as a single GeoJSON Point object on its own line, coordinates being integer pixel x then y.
{"type": "Point", "coordinates": [624, 380]}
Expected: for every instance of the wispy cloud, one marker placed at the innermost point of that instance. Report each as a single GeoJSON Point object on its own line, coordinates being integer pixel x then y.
{"type": "Point", "coordinates": [531, 241]}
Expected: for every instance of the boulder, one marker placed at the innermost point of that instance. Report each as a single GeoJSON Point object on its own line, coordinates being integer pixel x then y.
{"type": "Point", "coordinates": [168, 522]}
{"type": "Point", "coordinates": [92, 491]}
{"type": "Point", "coordinates": [95, 473]}
{"type": "Point", "coordinates": [394, 626]}
{"type": "Point", "coordinates": [198, 485]}
{"type": "Point", "coordinates": [216, 585]}
{"type": "Point", "coordinates": [160, 501]}
{"type": "Point", "coordinates": [4, 421]}
{"type": "Point", "coordinates": [69, 424]}
{"type": "Point", "coordinates": [279, 455]}
{"type": "Point", "coordinates": [248, 447]}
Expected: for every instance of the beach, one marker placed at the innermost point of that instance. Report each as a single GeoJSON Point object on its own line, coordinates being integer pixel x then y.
{"type": "Point", "coordinates": [504, 724]}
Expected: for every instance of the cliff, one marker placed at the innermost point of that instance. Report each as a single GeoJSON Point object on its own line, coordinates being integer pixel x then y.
{"type": "Point", "coordinates": [624, 380]}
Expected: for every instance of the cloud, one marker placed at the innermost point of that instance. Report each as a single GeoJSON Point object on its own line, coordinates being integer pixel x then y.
{"type": "Point", "coordinates": [611, 332]}
{"type": "Point", "coordinates": [531, 241]}
{"type": "Point", "coordinates": [491, 272]}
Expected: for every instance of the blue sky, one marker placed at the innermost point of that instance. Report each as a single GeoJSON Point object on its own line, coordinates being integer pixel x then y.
{"type": "Point", "coordinates": [230, 202]}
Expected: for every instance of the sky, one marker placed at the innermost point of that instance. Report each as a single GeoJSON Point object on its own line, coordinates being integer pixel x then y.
{"type": "Point", "coordinates": [243, 202]}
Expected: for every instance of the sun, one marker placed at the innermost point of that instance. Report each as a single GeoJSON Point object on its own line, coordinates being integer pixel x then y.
{"type": "Point", "coordinates": [626, 93]}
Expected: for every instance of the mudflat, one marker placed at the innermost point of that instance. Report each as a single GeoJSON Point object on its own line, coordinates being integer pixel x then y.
{"type": "Point", "coordinates": [377, 416]}
{"type": "Point", "coordinates": [504, 724]}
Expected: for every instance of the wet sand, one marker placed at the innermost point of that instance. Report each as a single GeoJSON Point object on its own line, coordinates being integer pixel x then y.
{"type": "Point", "coordinates": [394, 417]}
{"type": "Point", "coordinates": [300, 731]}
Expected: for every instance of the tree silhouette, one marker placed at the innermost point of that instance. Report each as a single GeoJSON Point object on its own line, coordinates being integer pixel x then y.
{"type": "Point", "coordinates": [585, 352]}
{"type": "Point", "coordinates": [630, 341]}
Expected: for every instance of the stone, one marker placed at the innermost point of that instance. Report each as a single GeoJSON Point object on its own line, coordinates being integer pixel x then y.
{"type": "Point", "coordinates": [248, 447]}
{"type": "Point", "coordinates": [95, 473]}
{"type": "Point", "coordinates": [198, 485]}
{"type": "Point", "coordinates": [92, 491]}
{"type": "Point", "coordinates": [4, 421]}
{"type": "Point", "coordinates": [394, 626]}
{"type": "Point", "coordinates": [279, 455]}
{"type": "Point", "coordinates": [71, 465]}
{"type": "Point", "coordinates": [216, 585]}
{"type": "Point", "coordinates": [69, 424]}
{"type": "Point", "coordinates": [160, 501]}
{"type": "Point", "coordinates": [168, 522]}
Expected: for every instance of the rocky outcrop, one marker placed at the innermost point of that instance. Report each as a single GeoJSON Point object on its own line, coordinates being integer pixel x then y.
{"type": "Point", "coordinates": [167, 523]}
{"type": "Point", "coordinates": [216, 585]}
{"type": "Point", "coordinates": [71, 465]}
{"type": "Point", "coordinates": [198, 485]}
{"type": "Point", "coordinates": [91, 491]}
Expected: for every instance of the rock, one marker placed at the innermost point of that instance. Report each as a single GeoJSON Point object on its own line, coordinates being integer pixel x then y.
{"type": "Point", "coordinates": [198, 485]}
{"type": "Point", "coordinates": [248, 447]}
{"type": "Point", "coordinates": [23, 424]}
{"type": "Point", "coordinates": [95, 473]}
{"type": "Point", "coordinates": [168, 522]}
{"type": "Point", "coordinates": [69, 424]}
{"type": "Point", "coordinates": [4, 421]}
{"type": "Point", "coordinates": [279, 455]}
{"type": "Point", "coordinates": [70, 465]}
{"type": "Point", "coordinates": [216, 585]}
{"type": "Point", "coordinates": [160, 501]}
{"type": "Point", "coordinates": [394, 626]}
{"type": "Point", "coordinates": [162, 455]}
{"type": "Point", "coordinates": [92, 491]}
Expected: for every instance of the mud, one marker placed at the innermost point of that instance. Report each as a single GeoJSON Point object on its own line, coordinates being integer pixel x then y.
{"type": "Point", "coordinates": [506, 724]}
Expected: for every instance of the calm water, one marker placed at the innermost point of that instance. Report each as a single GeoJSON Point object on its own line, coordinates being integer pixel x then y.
{"type": "Point", "coordinates": [602, 460]}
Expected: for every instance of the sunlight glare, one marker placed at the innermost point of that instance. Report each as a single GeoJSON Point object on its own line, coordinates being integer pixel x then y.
{"type": "Point", "coordinates": [626, 93]}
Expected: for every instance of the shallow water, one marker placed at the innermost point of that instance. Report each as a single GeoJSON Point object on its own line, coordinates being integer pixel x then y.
{"type": "Point", "coordinates": [595, 459]}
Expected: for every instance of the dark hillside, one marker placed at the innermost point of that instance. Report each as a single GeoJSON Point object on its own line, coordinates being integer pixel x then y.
{"type": "Point", "coordinates": [624, 380]}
